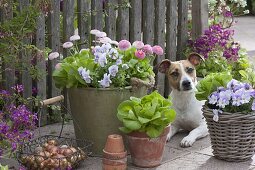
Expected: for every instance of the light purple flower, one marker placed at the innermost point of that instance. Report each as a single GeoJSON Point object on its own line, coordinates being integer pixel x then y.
{"type": "Point", "coordinates": [75, 38]}
{"type": "Point", "coordinates": [157, 50]}
{"type": "Point", "coordinates": [106, 81]}
{"type": "Point", "coordinates": [67, 45]}
{"type": "Point", "coordinates": [147, 49]}
{"type": "Point", "coordinates": [216, 114]}
{"type": "Point", "coordinates": [253, 106]}
{"type": "Point", "coordinates": [119, 61]}
{"type": "Point", "coordinates": [124, 45]}
{"type": "Point", "coordinates": [105, 40]}
{"type": "Point", "coordinates": [113, 70]}
{"type": "Point", "coordinates": [102, 60]}
{"type": "Point", "coordinates": [85, 74]}
{"type": "Point", "coordinates": [53, 55]}
{"type": "Point", "coordinates": [106, 47]}
{"type": "Point", "coordinates": [138, 44]}
{"type": "Point", "coordinates": [213, 98]}
{"type": "Point", "coordinates": [113, 53]}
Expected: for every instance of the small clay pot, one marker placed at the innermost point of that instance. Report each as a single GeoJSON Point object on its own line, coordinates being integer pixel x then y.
{"type": "Point", "coordinates": [109, 164]}
{"type": "Point", "coordinates": [114, 156]}
{"type": "Point", "coordinates": [114, 144]}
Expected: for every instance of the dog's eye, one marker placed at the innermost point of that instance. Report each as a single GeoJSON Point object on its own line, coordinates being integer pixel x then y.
{"type": "Point", "coordinates": [175, 74]}
{"type": "Point", "coordinates": [189, 69]}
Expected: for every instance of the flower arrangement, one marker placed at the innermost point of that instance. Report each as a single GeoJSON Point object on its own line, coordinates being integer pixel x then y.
{"type": "Point", "coordinates": [151, 114]}
{"type": "Point", "coordinates": [225, 94]}
{"type": "Point", "coordinates": [106, 64]}
{"type": "Point", "coordinates": [220, 51]}
{"type": "Point", "coordinates": [16, 120]}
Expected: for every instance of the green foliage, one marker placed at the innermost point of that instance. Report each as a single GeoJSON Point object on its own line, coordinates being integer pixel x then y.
{"type": "Point", "coordinates": [150, 114]}
{"type": "Point", "coordinates": [2, 167]}
{"type": "Point", "coordinates": [210, 84]}
{"type": "Point", "coordinates": [248, 76]}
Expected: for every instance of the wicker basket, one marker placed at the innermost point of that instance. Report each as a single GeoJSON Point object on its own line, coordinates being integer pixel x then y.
{"type": "Point", "coordinates": [233, 136]}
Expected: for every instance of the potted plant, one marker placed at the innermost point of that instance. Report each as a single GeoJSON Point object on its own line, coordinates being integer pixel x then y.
{"type": "Point", "coordinates": [99, 78]}
{"type": "Point", "coordinates": [230, 114]}
{"type": "Point", "coordinates": [146, 121]}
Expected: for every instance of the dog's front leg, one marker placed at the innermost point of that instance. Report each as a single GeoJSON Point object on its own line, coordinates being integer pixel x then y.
{"type": "Point", "coordinates": [173, 130]}
{"type": "Point", "coordinates": [197, 133]}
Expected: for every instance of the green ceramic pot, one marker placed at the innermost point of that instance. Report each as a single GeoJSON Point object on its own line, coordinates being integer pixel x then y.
{"type": "Point", "coordinates": [94, 112]}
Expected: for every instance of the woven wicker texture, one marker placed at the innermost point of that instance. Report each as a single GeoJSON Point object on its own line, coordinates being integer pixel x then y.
{"type": "Point", "coordinates": [233, 136]}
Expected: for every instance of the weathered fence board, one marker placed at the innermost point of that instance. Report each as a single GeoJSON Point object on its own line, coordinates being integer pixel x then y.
{"type": "Point", "coordinates": [110, 20]}
{"type": "Point", "coordinates": [148, 21]}
{"type": "Point", "coordinates": [199, 17]}
{"type": "Point", "coordinates": [97, 14]}
{"type": "Point", "coordinates": [26, 79]}
{"type": "Point", "coordinates": [160, 16]}
{"type": "Point", "coordinates": [54, 44]}
{"type": "Point", "coordinates": [171, 33]}
{"type": "Point", "coordinates": [83, 21]}
{"type": "Point", "coordinates": [40, 61]}
{"type": "Point", "coordinates": [135, 20]}
{"type": "Point", "coordinates": [8, 68]}
{"type": "Point", "coordinates": [123, 23]}
{"type": "Point", "coordinates": [182, 33]}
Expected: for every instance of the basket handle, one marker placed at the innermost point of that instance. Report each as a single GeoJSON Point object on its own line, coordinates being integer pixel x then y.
{"type": "Point", "coordinates": [52, 100]}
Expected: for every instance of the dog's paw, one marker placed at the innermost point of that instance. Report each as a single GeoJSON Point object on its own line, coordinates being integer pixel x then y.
{"type": "Point", "coordinates": [187, 141]}
{"type": "Point", "coordinates": [168, 137]}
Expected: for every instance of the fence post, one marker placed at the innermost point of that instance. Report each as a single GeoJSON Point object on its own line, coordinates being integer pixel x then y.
{"type": "Point", "coordinates": [40, 61]}
{"type": "Point", "coordinates": [160, 16]}
{"type": "Point", "coordinates": [110, 20]}
{"type": "Point", "coordinates": [8, 69]}
{"type": "Point", "coordinates": [135, 20]}
{"type": "Point", "coordinates": [182, 34]}
{"type": "Point", "coordinates": [26, 79]}
{"type": "Point", "coordinates": [84, 8]}
{"type": "Point", "coordinates": [199, 17]}
{"type": "Point", "coordinates": [97, 14]}
{"type": "Point", "coordinates": [171, 33]}
{"type": "Point", "coordinates": [148, 21]}
{"type": "Point", "coordinates": [123, 22]}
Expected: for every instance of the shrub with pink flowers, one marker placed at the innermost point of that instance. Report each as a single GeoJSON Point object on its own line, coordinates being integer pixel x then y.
{"type": "Point", "coordinates": [106, 64]}
{"type": "Point", "coordinates": [16, 120]}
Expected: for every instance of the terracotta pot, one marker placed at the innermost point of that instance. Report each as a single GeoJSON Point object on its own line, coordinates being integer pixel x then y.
{"type": "Point", "coordinates": [146, 151]}
{"type": "Point", "coordinates": [114, 154]}
{"type": "Point", "coordinates": [114, 144]}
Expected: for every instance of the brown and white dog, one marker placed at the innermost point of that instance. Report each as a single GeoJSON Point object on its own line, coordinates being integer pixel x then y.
{"type": "Point", "coordinates": [182, 79]}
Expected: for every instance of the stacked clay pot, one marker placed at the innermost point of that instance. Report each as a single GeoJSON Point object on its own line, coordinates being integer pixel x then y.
{"type": "Point", "coordinates": [114, 153]}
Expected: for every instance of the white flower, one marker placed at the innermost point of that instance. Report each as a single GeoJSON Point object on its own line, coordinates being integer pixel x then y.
{"type": "Point", "coordinates": [125, 66]}
{"type": "Point", "coordinates": [105, 40]}
{"type": "Point", "coordinates": [75, 38]}
{"type": "Point", "coordinates": [106, 81]}
{"type": "Point", "coordinates": [113, 70]}
{"type": "Point", "coordinates": [102, 60]}
{"type": "Point", "coordinates": [101, 34]}
{"type": "Point", "coordinates": [106, 47]}
{"type": "Point", "coordinates": [67, 45]}
{"type": "Point", "coordinates": [94, 32]}
{"type": "Point", "coordinates": [227, 8]}
{"type": "Point", "coordinates": [246, 11]}
{"type": "Point", "coordinates": [53, 55]}
{"type": "Point", "coordinates": [115, 43]}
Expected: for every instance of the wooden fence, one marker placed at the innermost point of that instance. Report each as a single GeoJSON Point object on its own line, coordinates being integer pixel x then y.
{"type": "Point", "coordinates": [162, 22]}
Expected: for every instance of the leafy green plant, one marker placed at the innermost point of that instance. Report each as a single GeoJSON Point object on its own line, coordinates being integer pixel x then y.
{"type": "Point", "coordinates": [248, 76]}
{"type": "Point", "coordinates": [2, 167]}
{"type": "Point", "coordinates": [210, 84]}
{"type": "Point", "coordinates": [150, 114]}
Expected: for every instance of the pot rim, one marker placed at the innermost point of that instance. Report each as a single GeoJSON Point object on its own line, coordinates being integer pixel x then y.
{"type": "Point", "coordinates": [137, 134]}
{"type": "Point", "coordinates": [102, 89]}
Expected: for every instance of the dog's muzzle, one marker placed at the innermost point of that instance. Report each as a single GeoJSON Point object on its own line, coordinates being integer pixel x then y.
{"type": "Point", "coordinates": [186, 85]}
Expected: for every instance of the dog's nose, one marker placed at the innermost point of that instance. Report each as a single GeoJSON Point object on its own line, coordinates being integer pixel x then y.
{"type": "Point", "coordinates": [186, 83]}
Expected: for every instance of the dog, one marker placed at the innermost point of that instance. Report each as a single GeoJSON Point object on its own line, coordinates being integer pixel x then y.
{"type": "Point", "coordinates": [182, 80]}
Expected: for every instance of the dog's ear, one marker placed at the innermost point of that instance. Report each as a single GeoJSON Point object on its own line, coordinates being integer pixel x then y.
{"type": "Point", "coordinates": [195, 58]}
{"type": "Point", "coordinates": [164, 66]}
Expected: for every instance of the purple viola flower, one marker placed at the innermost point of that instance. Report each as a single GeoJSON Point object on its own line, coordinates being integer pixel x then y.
{"type": "Point", "coordinates": [106, 47]}
{"type": "Point", "coordinates": [213, 98]}
{"type": "Point", "coordinates": [253, 105]}
{"type": "Point", "coordinates": [106, 81]}
{"type": "Point", "coordinates": [113, 70]}
{"type": "Point", "coordinates": [102, 60]}
{"type": "Point", "coordinates": [119, 61]}
{"type": "Point", "coordinates": [113, 53]}
{"type": "Point", "coordinates": [85, 74]}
